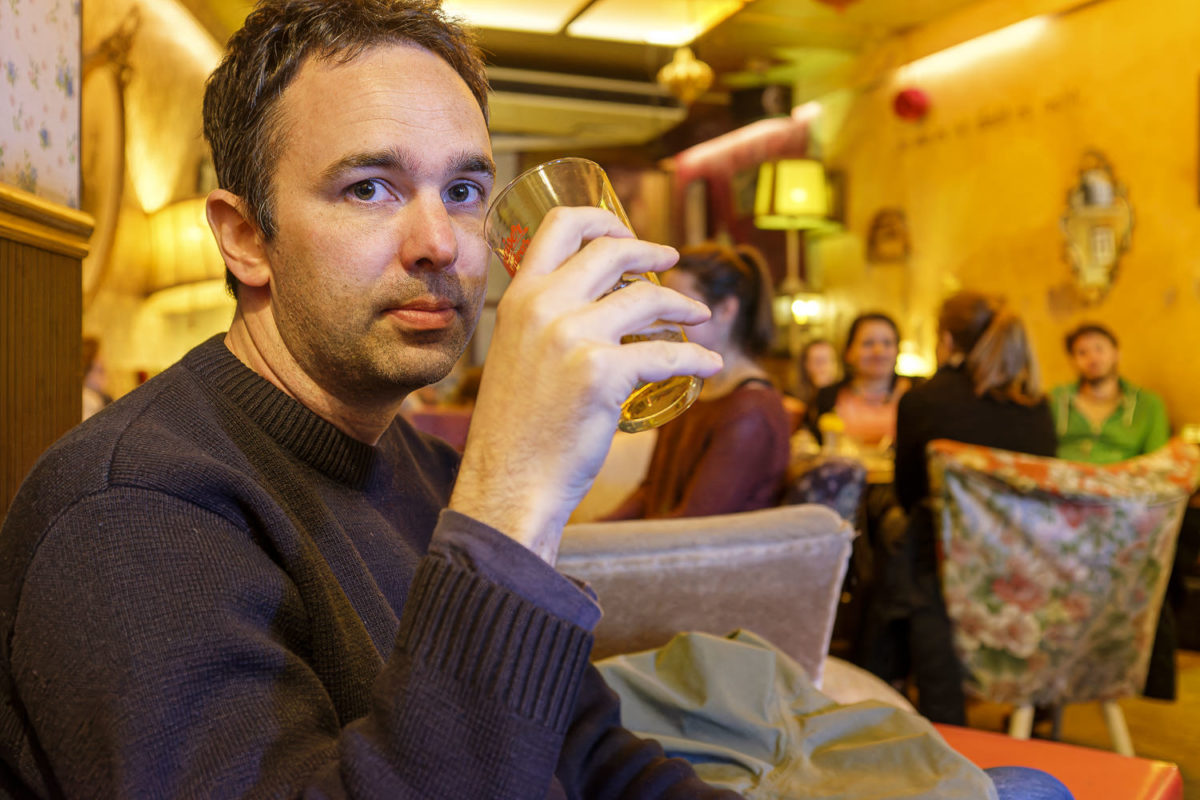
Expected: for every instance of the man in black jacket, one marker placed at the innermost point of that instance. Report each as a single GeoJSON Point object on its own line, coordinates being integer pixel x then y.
{"type": "Point", "coordinates": [250, 576]}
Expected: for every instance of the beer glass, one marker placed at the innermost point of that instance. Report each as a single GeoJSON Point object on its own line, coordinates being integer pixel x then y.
{"type": "Point", "coordinates": [514, 218]}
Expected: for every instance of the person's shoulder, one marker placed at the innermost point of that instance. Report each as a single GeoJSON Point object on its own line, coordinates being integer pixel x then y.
{"type": "Point", "coordinates": [1147, 396]}
{"type": "Point", "coordinates": [921, 390]}
{"type": "Point", "coordinates": [133, 463]}
{"type": "Point", "coordinates": [756, 401]}
{"type": "Point", "coordinates": [1062, 390]}
{"type": "Point", "coordinates": [756, 392]}
{"type": "Point", "coordinates": [158, 434]}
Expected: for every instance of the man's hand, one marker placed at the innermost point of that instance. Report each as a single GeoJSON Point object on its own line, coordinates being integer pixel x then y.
{"type": "Point", "coordinates": [557, 373]}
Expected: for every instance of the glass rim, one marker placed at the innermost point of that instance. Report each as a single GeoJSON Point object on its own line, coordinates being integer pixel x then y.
{"type": "Point", "coordinates": [487, 218]}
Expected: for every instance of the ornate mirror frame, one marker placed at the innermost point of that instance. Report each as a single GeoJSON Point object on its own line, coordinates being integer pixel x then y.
{"type": "Point", "coordinates": [1097, 227]}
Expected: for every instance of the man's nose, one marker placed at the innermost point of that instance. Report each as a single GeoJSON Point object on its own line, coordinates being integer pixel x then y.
{"type": "Point", "coordinates": [430, 239]}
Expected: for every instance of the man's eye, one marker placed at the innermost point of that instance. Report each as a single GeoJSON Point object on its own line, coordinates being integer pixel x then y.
{"type": "Point", "coordinates": [366, 190]}
{"type": "Point", "coordinates": [463, 193]}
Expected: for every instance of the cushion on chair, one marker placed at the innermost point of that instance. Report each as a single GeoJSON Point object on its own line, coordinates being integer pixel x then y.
{"type": "Point", "coordinates": [777, 572]}
{"type": "Point", "coordinates": [834, 481]}
{"type": "Point", "coordinates": [1054, 571]}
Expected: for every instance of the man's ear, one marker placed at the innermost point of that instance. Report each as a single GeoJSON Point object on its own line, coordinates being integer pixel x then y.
{"type": "Point", "coordinates": [238, 237]}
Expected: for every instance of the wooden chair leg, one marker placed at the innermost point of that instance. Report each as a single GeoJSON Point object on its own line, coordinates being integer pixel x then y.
{"type": "Point", "coordinates": [1117, 729]}
{"type": "Point", "coordinates": [1021, 725]}
{"type": "Point", "coordinates": [1056, 726]}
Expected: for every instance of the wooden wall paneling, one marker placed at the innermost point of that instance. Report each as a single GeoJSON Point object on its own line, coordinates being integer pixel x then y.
{"type": "Point", "coordinates": [41, 311]}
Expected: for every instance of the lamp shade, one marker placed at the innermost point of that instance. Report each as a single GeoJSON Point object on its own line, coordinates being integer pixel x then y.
{"type": "Point", "coordinates": [181, 247]}
{"type": "Point", "coordinates": [792, 194]}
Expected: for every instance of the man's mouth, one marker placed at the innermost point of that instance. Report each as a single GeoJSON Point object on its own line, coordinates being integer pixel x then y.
{"type": "Point", "coordinates": [425, 313]}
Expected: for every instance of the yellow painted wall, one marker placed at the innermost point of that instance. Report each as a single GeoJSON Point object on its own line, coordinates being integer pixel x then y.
{"type": "Point", "coordinates": [141, 310]}
{"type": "Point", "coordinates": [984, 177]}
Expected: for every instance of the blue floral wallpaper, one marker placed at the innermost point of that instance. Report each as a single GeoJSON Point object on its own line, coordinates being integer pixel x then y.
{"type": "Point", "coordinates": [39, 97]}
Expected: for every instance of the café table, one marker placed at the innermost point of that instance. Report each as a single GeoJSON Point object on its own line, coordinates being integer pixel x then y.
{"type": "Point", "coordinates": [1090, 773]}
{"type": "Point", "coordinates": [878, 461]}
{"type": "Point", "coordinates": [881, 467]}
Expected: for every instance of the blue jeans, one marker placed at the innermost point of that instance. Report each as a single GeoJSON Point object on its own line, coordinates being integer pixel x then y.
{"type": "Point", "coordinates": [1026, 783]}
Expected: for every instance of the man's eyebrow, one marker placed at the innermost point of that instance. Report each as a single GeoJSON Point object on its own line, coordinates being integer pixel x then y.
{"type": "Point", "coordinates": [476, 162]}
{"type": "Point", "coordinates": [394, 161]}
{"type": "Point", "coordinates": [382, 159]}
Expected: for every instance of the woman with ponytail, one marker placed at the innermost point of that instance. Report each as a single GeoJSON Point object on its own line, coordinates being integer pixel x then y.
{"type": "Point", "coordinates": [986, 392]}
{"type": "Point", "coordinates": [729, 451]}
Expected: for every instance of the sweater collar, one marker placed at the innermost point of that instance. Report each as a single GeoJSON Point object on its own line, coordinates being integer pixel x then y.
{"type": "Point", "coordinates": [306, 435]}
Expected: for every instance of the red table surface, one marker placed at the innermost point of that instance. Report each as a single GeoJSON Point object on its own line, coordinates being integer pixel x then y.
{"type": "Point", "coordinates": [1089, 773]}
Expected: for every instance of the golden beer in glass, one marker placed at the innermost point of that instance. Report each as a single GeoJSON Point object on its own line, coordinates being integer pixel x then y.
{"type": "Point", "coordinates": [513, 220]}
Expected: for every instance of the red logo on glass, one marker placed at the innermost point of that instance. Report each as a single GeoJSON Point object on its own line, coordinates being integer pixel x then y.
{"type": "Point", "coordinates": [512, 248]}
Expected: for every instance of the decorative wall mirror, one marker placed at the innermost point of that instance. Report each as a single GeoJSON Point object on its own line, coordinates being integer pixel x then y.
{"type": "Point", "coordinates": [1097, 226]}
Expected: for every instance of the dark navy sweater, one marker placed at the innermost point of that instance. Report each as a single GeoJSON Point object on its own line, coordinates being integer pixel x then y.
{"type": "Point", "coordinates": [206, 590]}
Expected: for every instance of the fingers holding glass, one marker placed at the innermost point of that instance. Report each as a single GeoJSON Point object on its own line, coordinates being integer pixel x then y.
{"type": "Point", "coordinates": [528, 205]}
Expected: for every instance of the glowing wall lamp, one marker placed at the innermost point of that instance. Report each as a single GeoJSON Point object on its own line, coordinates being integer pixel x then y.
{"type": "Point", "coordinates": [793, 195]}
{"type": "Point", "coordinates": [807, 308]}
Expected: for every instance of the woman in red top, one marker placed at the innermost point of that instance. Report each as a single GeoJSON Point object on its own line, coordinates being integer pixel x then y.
{"type": "Point", "coordinates": [729, 452]}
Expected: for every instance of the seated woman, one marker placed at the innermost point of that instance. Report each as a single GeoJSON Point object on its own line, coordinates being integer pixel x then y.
{"type": "Point", "coordinates": [818, 364]}
{"type": "Point", "coordinates": [986, 392]}
{"type": "Point", "coordinates": [817, 368]}
{"type": "Point", "coordinates": [867, 397]}
{"type": "Point", "coordinates": [729, 451]}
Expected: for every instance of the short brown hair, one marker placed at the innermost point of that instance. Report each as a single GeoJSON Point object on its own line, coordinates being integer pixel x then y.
{"type": "Point", "coordinates": [241, 98]}
{"type": "Point", "coordinates": [1086, 329]}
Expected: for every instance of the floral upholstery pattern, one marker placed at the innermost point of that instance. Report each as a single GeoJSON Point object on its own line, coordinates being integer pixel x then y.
{"type": "Point", "coordinates": [833, 481]}
{"type": "Point", "coordinates": [1054, 571]}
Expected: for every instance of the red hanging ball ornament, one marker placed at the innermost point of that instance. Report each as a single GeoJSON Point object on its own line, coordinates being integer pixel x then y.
{"type": "Point", "coordinates": [910, 104]}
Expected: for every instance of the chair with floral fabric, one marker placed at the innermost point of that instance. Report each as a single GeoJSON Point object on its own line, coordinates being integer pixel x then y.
{"type": "Point", "coordinates": [1054, 571]}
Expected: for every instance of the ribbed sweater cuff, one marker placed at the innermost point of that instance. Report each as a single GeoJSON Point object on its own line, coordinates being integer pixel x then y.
{"type": "Point", "coordinates": [500, 559]}
{"type": "Point", "coordinates": [479, 634]}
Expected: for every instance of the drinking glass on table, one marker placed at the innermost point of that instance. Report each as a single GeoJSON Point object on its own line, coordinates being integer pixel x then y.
{"type": "Point", "coordinates": [514, 218]}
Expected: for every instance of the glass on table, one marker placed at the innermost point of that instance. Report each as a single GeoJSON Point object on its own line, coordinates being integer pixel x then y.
{"type": "Point", "coordinates": [513, 220]}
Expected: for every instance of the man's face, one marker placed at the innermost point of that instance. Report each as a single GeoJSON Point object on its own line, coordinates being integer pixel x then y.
{"type": "Point", "coordinates": [1095, 357]}
{"type": "Point", "coordinates": [378, 267]}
